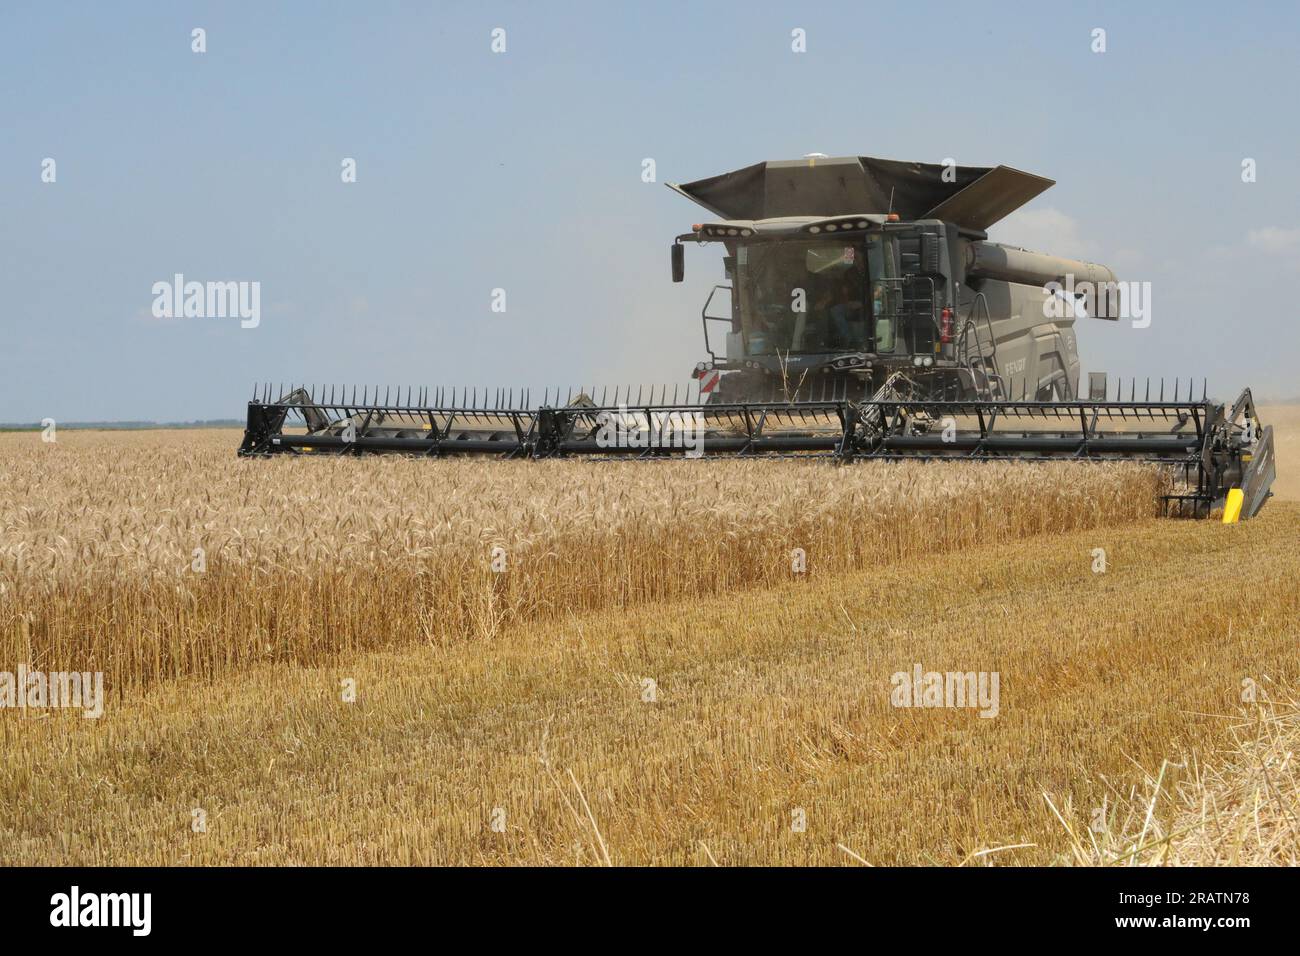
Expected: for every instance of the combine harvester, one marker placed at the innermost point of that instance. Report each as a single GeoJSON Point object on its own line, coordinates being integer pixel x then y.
{"type": "Point", "coordinates": [869, 318]}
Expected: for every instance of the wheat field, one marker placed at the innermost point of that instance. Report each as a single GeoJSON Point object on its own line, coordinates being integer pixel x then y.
{"type": "Point", "coordinates": [304, 559]}
{"type": "Point", "coordinates": [389, 661]}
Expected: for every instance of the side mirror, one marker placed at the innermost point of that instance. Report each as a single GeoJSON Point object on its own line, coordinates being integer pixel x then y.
{"type": "Point", "coordinates": [679, 262]}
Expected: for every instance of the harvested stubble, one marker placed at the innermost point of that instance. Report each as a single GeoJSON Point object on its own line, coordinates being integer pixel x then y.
{"type": "Point", "coordinates": [1236, 806]}
{"type": "Point", "coordinates": [309, 559]}
{"type": "Point", "coordinates": [768, 701]}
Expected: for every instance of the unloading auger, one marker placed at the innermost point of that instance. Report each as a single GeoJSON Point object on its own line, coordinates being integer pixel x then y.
{"type": "Point", "coordinates": [852, 334]}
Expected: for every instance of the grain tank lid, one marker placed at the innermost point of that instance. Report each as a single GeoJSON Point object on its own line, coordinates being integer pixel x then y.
{"type": "Point", "coordinates": [977, 197]}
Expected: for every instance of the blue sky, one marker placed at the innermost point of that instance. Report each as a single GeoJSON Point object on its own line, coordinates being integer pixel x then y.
{"type": "Point", "coordinates": [522, 171]}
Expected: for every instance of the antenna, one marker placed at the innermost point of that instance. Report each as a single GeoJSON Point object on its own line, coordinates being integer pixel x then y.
{"type": "Point", "coordinates": [891, 201]}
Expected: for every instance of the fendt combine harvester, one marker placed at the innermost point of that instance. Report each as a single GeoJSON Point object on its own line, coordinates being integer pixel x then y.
{"type": "Point", "coordinates": [869, 318]}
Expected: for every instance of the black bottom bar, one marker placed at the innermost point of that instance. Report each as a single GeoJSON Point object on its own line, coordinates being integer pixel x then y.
{"type": "Point", "coordinates": [957, 909]}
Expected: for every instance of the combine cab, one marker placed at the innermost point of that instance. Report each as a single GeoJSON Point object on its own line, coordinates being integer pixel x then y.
{"type": "Point", "coordinates": [867, 316]}
{"type": "Point", "coordinates": [845, 271]}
